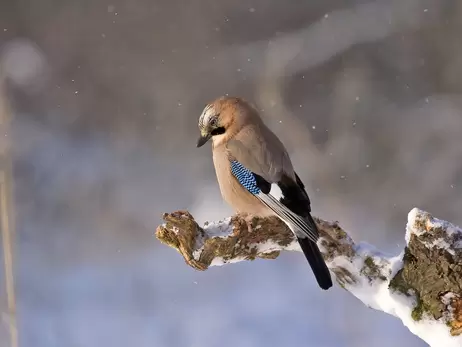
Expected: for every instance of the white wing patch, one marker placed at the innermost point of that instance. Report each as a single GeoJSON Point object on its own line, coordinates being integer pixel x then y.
{"type": "Point", "coordinates": [276, 191]}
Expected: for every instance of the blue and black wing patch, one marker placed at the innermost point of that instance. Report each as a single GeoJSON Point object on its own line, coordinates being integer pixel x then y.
{"type": "Point", "coordinates": [261, 188]}
{"type": "Point", "coordinates": [249, 180]}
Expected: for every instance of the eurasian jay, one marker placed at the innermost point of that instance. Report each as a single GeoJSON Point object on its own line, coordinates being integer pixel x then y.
{"type": "Point", "coordinates": [248, 159]}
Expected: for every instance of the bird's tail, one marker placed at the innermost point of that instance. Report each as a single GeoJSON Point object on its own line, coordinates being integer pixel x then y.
{"type": "Point", "coordinates": [296, 200]}
{"type": "Point", "coordinates": [306, 231]}
{"type": "Point", "coordinates": [314, 257]}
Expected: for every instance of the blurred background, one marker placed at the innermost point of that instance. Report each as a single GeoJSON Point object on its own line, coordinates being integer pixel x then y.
{"type": "Point", "coordinates": [105, 98]}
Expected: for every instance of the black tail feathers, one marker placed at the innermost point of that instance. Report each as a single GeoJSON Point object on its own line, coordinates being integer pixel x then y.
{"type": "Point", "coordinates": [319, 267]}
{"type": "Point", "coordinates": [296, 199]}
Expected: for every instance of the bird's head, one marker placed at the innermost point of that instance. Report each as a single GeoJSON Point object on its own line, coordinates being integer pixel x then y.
{"type": "Point", "coordinates": [222, 118]}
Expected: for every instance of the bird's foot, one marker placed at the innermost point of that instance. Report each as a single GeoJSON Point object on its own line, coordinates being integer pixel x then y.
{"type": "Point", "coordinates": [248, 221]}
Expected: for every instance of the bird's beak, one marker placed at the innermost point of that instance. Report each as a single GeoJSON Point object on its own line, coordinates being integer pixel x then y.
{"type": "Point", "coordinates": [203, 139]}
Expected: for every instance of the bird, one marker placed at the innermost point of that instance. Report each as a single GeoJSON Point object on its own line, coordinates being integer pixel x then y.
{"type": "Point", "coordinates": [249, 159]}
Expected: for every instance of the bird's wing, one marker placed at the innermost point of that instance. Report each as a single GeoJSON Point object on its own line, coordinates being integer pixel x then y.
{"type": "Point", "coordinates": [260, 188]}
{"type": "Point", "coordinates": [258, 156]}
{"type": "Point", "coordinates": [256, 169]}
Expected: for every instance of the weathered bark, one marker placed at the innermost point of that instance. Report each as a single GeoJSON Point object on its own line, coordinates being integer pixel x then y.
{"type": "Point", "coordinates": [428, 272]}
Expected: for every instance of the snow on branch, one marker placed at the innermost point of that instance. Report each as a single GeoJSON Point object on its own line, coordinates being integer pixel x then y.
{"type": "Point", "coordinates": [422, 286]}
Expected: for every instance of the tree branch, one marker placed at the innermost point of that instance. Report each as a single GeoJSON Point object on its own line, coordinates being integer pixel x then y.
{"type": "Point", "coordinates": [422, 286]}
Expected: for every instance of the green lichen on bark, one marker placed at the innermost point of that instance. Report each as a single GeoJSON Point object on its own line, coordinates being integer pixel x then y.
{"type": "Point", "coordinates": [399, 282]}
{"type": "Point", "coordinates": [429, 271]}
{"type": "Point", "coordinates": [371, 270]}
{"type": "Point", "coordinates": [418, 310]}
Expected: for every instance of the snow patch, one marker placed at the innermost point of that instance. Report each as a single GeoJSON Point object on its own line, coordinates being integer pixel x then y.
{"type": "Point", "coordinates": [293, 246]}
{"type": "Point", "coordinates": [219, 261]}
{"type": "Point", "coordinates": [198, 250]}
{"type": "Point", "coordinates": [267, 246]}
{"type": "Point", "coordinates": [221, 229]}
{"type": "Point", "coordinates": [440, 243]}
{"type": "Point", "coordinates": [414, 226]}
{"type": "Point", "coordinates": [448, 297]}
{"type": "Point", "coordinates": [377, 295]}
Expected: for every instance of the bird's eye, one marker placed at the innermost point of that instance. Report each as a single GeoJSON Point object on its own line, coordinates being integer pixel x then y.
{"type": "Point", "coordinates": [214, 121]}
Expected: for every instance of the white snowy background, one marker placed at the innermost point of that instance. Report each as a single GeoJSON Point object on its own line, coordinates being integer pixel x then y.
{"type": "Point", "coordinates": [106, 96]}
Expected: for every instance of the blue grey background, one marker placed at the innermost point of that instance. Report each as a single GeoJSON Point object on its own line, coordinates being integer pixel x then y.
{"type": "Point", "coordinates": [105, 98]}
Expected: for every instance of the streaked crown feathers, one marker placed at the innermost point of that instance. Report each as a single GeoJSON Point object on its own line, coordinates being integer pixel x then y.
{"type": "Point", "coordinates": [208, 113]}
{"type": "Point", "coordinates": [229, 112]}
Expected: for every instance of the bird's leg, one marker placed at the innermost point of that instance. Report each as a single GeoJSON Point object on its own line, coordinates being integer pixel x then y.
{"type": "Point", "coordinates": [248, 221]}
